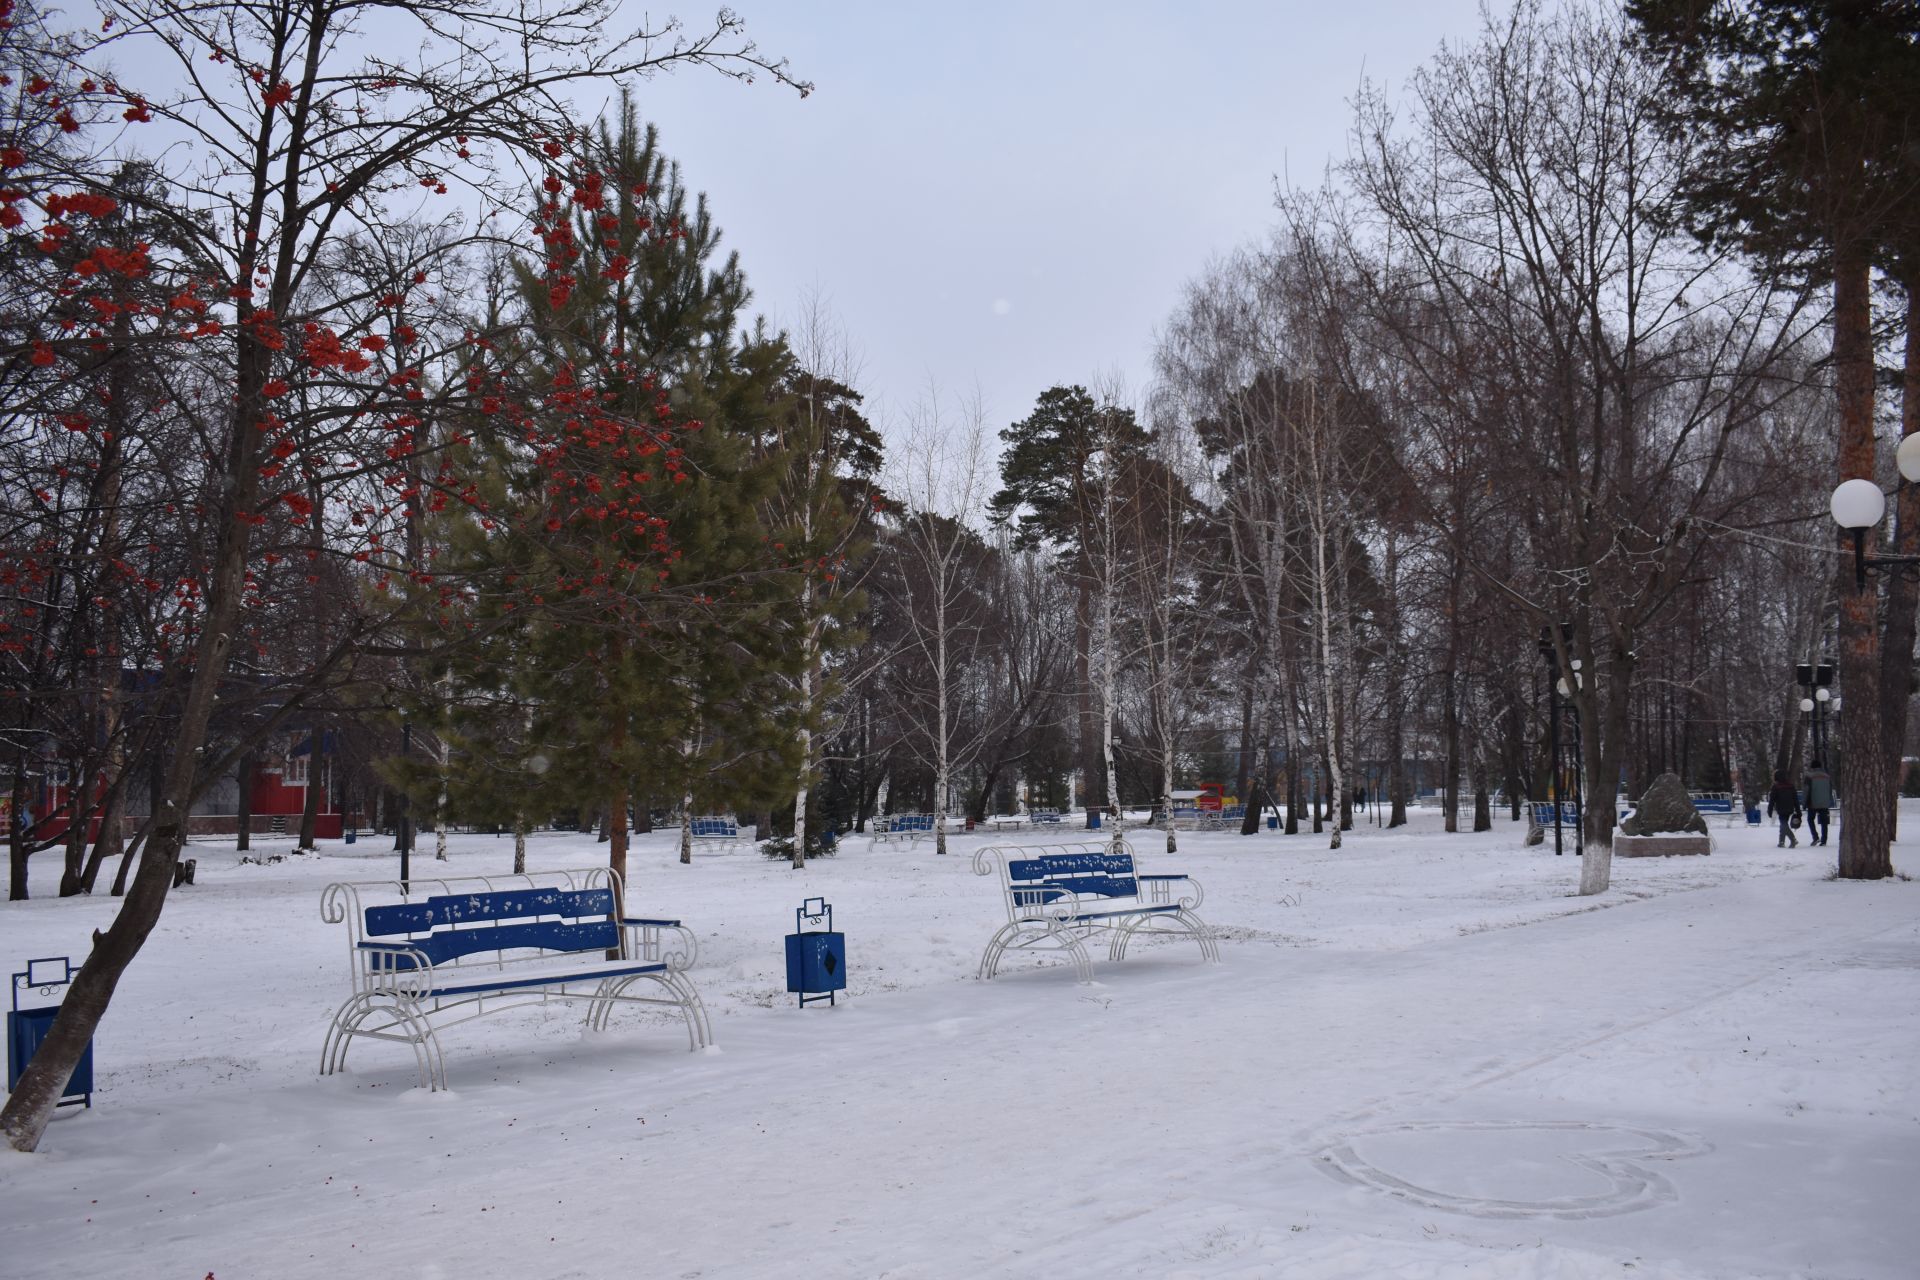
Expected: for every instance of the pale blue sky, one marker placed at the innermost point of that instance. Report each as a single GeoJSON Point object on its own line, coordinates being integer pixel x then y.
{"type": "Point", "coordinates": [1012, 195]}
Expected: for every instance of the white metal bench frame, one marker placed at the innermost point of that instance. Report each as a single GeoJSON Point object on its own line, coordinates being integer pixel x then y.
{"type": "Point", "coordinates": [715, 829]}
{"type": "Point", "coordinates": [911, 827]}
{"type": "Point", "coordinates": [401, 995]}
{"type": "Point", "coordinates": [1049, 915]}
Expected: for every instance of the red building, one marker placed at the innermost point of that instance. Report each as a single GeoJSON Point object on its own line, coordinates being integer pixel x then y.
{"type": "Point", "coordinates": [277, 796]}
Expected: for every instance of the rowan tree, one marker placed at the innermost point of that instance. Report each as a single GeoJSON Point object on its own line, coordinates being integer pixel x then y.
{"type": "Point", "coordinates": [291, 138]}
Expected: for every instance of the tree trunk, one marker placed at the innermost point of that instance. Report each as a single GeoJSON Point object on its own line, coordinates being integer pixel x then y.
{"type": "Point", "coordinates": [942, 779]}
{"type": "Point", "coordinates": [1450, 784]}
{"type": "Point", "coordinates": [79, 783]}
{"type": "Point", "coordinates": [316, 786]}
{"type": "Point", "coordinates": [1861, 776]}
{"type": "Point", "coordinates": [1083, 662]}
{"type": "Point", "coordinates": [1903, 590]}
{"type": "Point", "coordinates": [1293, 791]}
{"type": "Point", "coordinates": [17, 832]}
{"type": "Point", "coordinates": [617, 851]}
{"type": "Point", "coordinates": [243, 810]}
{"type": "Point", "coordinates": [108, 842]}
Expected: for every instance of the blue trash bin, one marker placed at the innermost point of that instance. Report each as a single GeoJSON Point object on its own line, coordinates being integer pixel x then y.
{"type": "Point", "coordinates": [27, 1028]}
{"type": "Point", "coordinates": [816, 954]}
{"type": "Point", "coordinates": [1093, 819]}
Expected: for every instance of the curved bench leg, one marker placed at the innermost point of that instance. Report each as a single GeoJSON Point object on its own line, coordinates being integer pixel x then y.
{"type": "Point", "coordinates": [399, 1012]}
{"type": "Point", "coordinates": [1190, 924]}
{"type": "Point", "coordinates": [699, 1030]}
{"type": "Point", "coordinates": [685, 998]}
{"type": "Point", "coordinates": [997, 947]}
{"type": "Point", "coordinates": [1209, 945]}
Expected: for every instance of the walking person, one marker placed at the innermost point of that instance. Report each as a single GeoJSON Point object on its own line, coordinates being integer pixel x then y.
{"type": "Point", "coordinates": [1819, 804]}
{"type": "Point", "coordinates": [1783, 802]}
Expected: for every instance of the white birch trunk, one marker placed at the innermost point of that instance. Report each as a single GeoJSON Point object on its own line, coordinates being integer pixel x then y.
{"type": "Point", "coordinates": [686, 804]}
{"type": "Point", "coordinates": [440, 804]}
{"type": "Point", "coordinates": [942, 759]}
{"type": "Point", "coordinates": [806, 758]}
{"type": "Point", "coordinates": [1596, 867]}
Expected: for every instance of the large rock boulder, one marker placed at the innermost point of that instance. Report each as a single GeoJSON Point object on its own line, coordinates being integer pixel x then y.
{"type": "Point", "coordinates": [1665, 808]}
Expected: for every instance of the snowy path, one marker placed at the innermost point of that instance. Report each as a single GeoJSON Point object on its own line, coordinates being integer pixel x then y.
{"type": "Point", "coordinates": [1712, 1081]}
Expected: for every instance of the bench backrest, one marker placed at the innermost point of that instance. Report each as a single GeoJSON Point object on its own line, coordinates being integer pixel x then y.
{"type": "Point", "coordinates": [1035, 882]}
{"type": "Point", "coordinates": [1046, 815]}
{"type": "Point", "coordinates": [451, 919]}
{"type": "Point", "coordinates": [450, 926]}
{"type": "Point", "coordinates": [1036, 877]}
{"type": "Point", "coordinates": [715, 827]}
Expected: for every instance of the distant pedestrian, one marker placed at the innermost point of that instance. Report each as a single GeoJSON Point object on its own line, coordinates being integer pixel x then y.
{"type": "Point", "coordinates": [1783, 802]}
{"type": "Point", "coordinates": [1819, 804]}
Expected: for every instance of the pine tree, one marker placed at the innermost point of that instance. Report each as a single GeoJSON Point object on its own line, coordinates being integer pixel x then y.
{"type": "Point", "coordinates": [1058, 477]}
{"type": "Point", "coordinates": [1799, 113]}
{"type": "Point", "coordinates": [627, 642]}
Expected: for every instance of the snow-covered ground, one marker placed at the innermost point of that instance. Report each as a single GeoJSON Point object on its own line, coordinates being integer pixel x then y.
{"type": "Point", "coordinates": [1421, 1057]}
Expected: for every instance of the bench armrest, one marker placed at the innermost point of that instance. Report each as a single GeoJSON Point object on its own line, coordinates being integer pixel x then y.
{"type": "Point", "coordinates": [647, 939]}
{"type": "Point", "coordinates": [397, 967]}
{"type": "Point", "coordinates": [1158, 889]}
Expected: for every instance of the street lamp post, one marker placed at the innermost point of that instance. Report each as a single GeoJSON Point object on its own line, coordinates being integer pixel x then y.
{"type": "Point", "coordinates": [1557, 688]}
{"type": "Point", "coordinates": [1815, 681]}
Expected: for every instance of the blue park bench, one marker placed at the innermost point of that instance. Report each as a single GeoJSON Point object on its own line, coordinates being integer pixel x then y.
{"type": "Point", "coordinates": [1045, 817]}
{"type": "Point", "coordinates": [1541, 811]}
{"type": "Point", "coordinates": [911, 827]}
{"type": "Point", "coordinates": [440, 952]}
{"type": "Point", "coordinates": [1059, 897]}
{"type": "Point", "coordinates": [714, 829]}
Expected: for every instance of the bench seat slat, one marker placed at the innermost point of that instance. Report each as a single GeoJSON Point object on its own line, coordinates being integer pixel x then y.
{"type": "Point", "coordinates": [473, 981]}
{"type": "Point", "coordinates": [1154, 910]}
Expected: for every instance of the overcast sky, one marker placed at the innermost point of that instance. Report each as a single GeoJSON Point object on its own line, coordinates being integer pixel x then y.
{"type": "Point", "coordinates": [1008, 196]}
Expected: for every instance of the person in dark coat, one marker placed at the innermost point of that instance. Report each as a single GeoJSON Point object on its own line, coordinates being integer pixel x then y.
{"type": "Point", "coordinates": [1783, 802]}
{"type": "Point", "coordinates": [1819, 794]}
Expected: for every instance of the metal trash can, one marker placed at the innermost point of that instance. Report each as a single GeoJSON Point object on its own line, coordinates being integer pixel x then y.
{"type": "Point", "coordinates": [816, 954]}
{"type": "Point", "coordinates": [1093, 819]}
{"type": "Point", "coordinates": [27, 1028]}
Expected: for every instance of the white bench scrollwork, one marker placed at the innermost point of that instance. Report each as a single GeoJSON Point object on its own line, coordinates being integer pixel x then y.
{"type": "Point", "coordinates": [1059, 897]}
{"type": "Point", "coordinates": [433, 953]}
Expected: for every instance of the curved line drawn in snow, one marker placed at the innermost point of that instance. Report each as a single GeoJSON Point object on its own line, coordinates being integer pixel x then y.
{"type": "Point", "coordinates": [1615, 1156]}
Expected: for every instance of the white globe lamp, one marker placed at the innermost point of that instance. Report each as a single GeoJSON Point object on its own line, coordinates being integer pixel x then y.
{"type": "Point", "coordinates": [1907, 457]}
{"type": "Point", "coordinates": [1858, 504]}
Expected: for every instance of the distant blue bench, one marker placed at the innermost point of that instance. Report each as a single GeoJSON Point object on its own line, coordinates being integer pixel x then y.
{"type": "Point", "coordinates": [441, 952]}
{"type": "Point", "coordinates": [715, 829]}
{"type": "Point", "coordinates": [1060, 896]}
{"type": "Point", "coordinates": [1045, 817]}
{"type": "Point", "coordinates": [903, 826]}
{"type": "Point", "coordinates": [1542, 813]}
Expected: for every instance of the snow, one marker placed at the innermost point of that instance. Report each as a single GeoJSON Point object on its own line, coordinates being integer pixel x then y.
{"type": "Point", "coordinates": [1421, 1058]}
